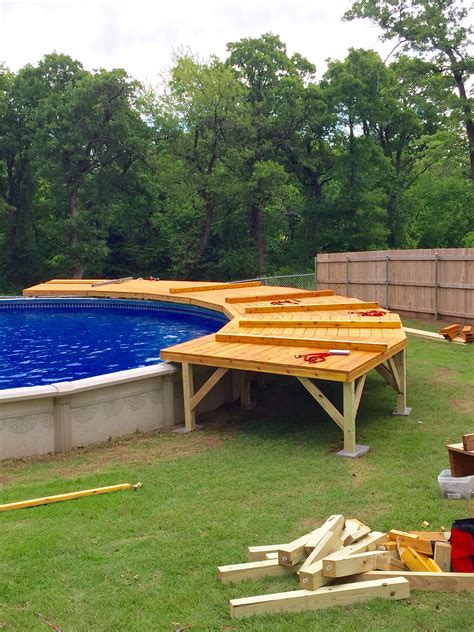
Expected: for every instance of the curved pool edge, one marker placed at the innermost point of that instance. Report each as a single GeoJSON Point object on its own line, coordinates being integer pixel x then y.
{"type": "Point", "coordinates": [37, 420]}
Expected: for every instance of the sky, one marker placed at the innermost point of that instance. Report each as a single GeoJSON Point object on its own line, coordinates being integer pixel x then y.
{"type": "Point", "coordinates": [142, 36]}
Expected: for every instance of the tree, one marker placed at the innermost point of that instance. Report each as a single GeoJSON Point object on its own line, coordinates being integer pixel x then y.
{"type": "Point", "coordinates": [87, 123]}
{"type": "Point", "coordinates": [273, 83]}
{"type": "Point", "coordinates": [435, 30]}
{"type": "Point", "coordinates": [203, 111]}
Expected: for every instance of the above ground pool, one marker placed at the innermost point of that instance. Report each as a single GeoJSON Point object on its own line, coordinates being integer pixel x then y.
{"type": "Point", "coordinates": [45, 341]}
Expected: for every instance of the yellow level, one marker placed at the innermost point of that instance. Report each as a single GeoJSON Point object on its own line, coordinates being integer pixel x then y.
{"type": "Point", "coordinates": [46, 500]}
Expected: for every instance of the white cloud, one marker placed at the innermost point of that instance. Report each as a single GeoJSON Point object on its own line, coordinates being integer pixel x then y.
{"type": "Point", "coordinates": [141, 35]}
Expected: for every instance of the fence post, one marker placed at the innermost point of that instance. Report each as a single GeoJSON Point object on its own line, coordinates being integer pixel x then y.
{"type": "Point", "coordinates": [387, 279]}
{"type": "Point", "coordinates": [436, 273]}
{"type": "Point", "coordinates": [316, 273]}
{"type": "Point", "coordinates": [347, 275]}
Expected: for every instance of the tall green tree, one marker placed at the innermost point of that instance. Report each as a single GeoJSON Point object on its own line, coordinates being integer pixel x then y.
{"type": "Point", "coordinates": [437, 31]}
{"type": "Point", "coordinates": [86, 123]}
{"type": "Point", "coordinates": [273, 83]}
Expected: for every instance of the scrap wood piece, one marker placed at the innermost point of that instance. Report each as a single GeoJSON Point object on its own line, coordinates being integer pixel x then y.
{"type": "Point", "coordinates": [430, 335]}
{"type": "Point", "coordinates": [330, 543]}
{"type": "Point", "coordinates": [466, 334]}
{"type": "Point", "coordinates": [213, 287]}
{"type": "Point", "coordinates": [255, 298]}
{"type": "Point", "coordinates": [46, 500]}
{"type": "Point", "coordinates": [468, 442]}
{"type": "Point", "coordinates": [306, 600]}
{"type": "Point", "coordinates": [451, 331]}
{"type": "Point", "coordinates": [354, 530]}
{"type": "Point", "coordinates": [334, 566]}
{"type": "Point", "coordinates": [417, 561]}
{"type": "Point", "coordinates": [442, 556]}
{"type": "Point", "coordinates": [407, 539]}
{"type": "Point", "coordinates": [253, 570]}
{"type": "Point", "coordinates": [441, 582]}
{"type": "Point", "coordinates": [334, 524]}
{"type": "Point", "coordinates": [313, 578]}
{"type": "Point", "coordinates": [388, 562]}
{"type": "Point", "coordinates": [296, 551]}
{"type": "Point", "coordinates": [259, 553]}
{"type": "Point", "coordinates": [388, 545]}
{"type": "Point", "coordinates": [432, 536]}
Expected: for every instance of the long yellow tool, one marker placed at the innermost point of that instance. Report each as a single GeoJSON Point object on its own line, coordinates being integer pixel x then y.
{"type": "Point", "coordinates": [60, 497]}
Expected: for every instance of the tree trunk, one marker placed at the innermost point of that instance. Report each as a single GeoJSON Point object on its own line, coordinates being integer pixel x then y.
{"type": "Point", "coordinates": [468, 122]}
{"type": "Point", "coordinates": [258, 238]}
{"type": "Point", "coordinates": [78, 268]}
{"type": "Point", "coordinates": [206, 233]}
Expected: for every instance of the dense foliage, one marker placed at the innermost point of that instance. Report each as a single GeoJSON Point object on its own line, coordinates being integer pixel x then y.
{"type": "Point", "coordinates": [241, 166]}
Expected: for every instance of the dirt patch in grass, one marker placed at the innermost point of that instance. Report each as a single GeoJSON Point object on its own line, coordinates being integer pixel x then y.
{"type": "Point", "coordinates": [464, 405]}
{"type": "Point", "coordinates": [136, 450]}
{"type": "Point", "coordinates": [173, 447]}
{"type": "Point", "coordinates": [446, 374]}
{"type": "Point", "coordinates": [7, 479]}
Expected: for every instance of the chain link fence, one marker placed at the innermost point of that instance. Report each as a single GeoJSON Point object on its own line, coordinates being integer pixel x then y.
{"type": "Point", "coordinates": [305, 281]}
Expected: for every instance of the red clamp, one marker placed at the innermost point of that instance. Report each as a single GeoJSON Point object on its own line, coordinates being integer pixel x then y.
{"type": "Point", "coordinates": [314, 358]}
{"type": "Point", "coordinates": [283, 301]}
{"type": "Point", "coordinates": [370, 312]}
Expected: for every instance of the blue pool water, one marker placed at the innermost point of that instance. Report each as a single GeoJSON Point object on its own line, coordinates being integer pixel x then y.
{"type": "Point", "coordinates": [45, 341]}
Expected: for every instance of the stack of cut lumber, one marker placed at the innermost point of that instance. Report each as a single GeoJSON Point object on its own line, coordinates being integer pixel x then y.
{"type": "Point", "coordinates": [458, 333]}
{"type": "Point", "coordinates": [344, 562]}
{"type": "Point", "coordinates": [466, 334]}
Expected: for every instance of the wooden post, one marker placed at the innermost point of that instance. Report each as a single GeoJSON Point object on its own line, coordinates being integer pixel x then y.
{"type": "Point", "coordinates": [436, 275]}
{"type": "Point", "coordinates": [349, 416]}
{"type": "Point", "coordinates": [188, 392]}
{"type": "Point", "coordinates": [387, 280]}
{"type": "Point", "coordinates": [245, 396]}
{"type": "Point", "coordinates": [347, 275]}
{"type": "Point", "coordinates": [351, 449]}
{"type": "Point", "coordinates": [400, 364]}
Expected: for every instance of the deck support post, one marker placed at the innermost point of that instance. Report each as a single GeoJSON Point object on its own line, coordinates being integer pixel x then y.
{"type": "Point", "coordinates": [399, 368]}
{"type": "Point", "coordinates": [245, 391]}
{"type": "Point", "coordinates": [351, 400]}
{"type": "Point", "coordinates": [192, 399]}
{"type": "Point", "coordinates": [351, 397]}
{"type": "Point", "coordinates": [188, 392]}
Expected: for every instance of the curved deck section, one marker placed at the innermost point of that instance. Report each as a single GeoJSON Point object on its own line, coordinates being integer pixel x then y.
{"type": "Point", "coordinates": [269, 330]}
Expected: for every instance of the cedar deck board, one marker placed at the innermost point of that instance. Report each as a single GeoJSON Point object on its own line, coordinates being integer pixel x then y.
{"type": "Point", "coordinates": [263, 358]}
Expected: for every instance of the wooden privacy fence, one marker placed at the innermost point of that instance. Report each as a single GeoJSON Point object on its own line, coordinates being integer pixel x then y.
{"type": "Point", "coordinates": [435, 283]}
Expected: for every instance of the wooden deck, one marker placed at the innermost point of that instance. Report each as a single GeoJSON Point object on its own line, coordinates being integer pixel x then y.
{"type": "Point", "coordinates": [269, 329]}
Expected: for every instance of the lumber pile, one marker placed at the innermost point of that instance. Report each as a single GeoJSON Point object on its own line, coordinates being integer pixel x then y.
{"type": "Point", "coordinates": [344, 562]}
{"type": "Point", "coordinates": [457, 332]}
{"type": "Point", "coordinates": [466, 334]}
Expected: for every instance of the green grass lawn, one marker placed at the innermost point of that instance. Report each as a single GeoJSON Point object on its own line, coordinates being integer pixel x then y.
{"type": "Point", "coordinates": [147, 560]}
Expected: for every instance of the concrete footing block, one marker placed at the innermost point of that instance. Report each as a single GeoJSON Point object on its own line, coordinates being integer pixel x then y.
{"type": "Point", "coordinates": [359, 451]}
{"type": "Point", "coordinates": [402, 413]}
